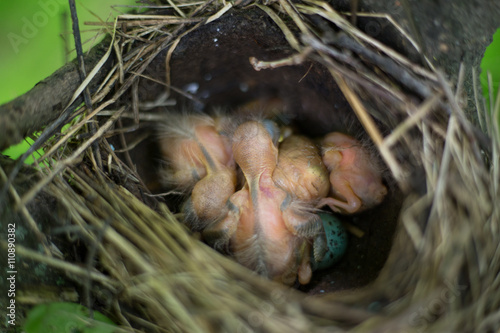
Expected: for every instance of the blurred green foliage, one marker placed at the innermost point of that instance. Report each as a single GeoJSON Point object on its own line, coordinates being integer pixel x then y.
{"type": "Point", "coordinates": [66, 317]}
{"type": "Point", "coordinates": [32, 36]}
{"type": "Point", "coordinates": [491, 63]}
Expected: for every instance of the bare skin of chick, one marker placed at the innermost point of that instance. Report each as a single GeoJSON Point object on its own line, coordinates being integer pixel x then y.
{"type": "Point", "coordinates": [301, 173]}
{"type": "Point", "coordinates": [255, 226]}
{"type": "Point", "coordinates": [356, 182]}
{"type": "Point", "coordinates": [300, 169]}
{"type": "Point", "coordinates": [201, 162]}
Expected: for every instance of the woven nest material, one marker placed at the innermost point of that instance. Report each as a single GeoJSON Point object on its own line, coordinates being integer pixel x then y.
{"type": "Point", "coordinates": [148, 272]}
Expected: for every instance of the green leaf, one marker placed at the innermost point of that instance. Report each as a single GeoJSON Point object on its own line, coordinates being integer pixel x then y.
{"type": "Point", "coordinates": [491, 63]}
{"type": "Point", "coordinates": [66, 318]}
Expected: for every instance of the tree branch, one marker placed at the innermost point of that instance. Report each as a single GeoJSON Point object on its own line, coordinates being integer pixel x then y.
{"type": "Point", "coordinates": [41, 105]}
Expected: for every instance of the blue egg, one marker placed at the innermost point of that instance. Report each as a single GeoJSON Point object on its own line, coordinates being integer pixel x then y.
{"type": "Point", "coordinates": [336, 241]}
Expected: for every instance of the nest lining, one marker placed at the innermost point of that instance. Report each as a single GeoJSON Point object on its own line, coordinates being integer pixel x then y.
{"type": "Point", "coordinates": [444, 256]}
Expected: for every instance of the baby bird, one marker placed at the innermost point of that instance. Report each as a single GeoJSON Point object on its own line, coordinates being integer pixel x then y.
{"type": "Point", "coordinates": [199, 161]}
{"type": "Point", "coordinates": [265, 231]}
{"type": "Point", "coordinates": [300, 169]}
{"type": "Point", "coordinates": [302, 174]}
{"type": "Point", "coordinates": [356, 182]}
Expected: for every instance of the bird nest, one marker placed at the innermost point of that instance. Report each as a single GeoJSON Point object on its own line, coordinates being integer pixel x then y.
{"type": "Point", "coordinates": [428, 259]}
